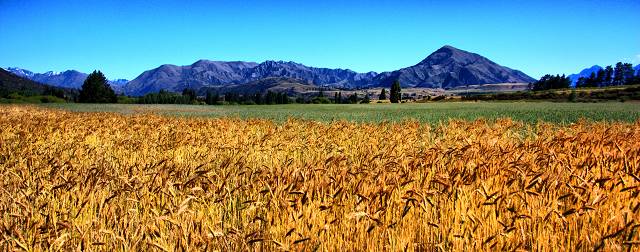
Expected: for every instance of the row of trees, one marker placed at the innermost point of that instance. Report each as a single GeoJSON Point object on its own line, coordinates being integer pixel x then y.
{"type": "Point", "coordinates": [621, 74]}
{"type": "Point", "coordinates": [351, 99]}
{"type": "Point", "coordinates": [267, 98]}
{"type": "Point", "coordinates": [165, 97]}
{"type": "Point", "coordinates": [551, 82]}
{"type": "Point", "coordinates": [395, 95]}
{"type": "Point", "coordinates": [188, 96]}
{"type": "Point", "coordinates": [53, 91]}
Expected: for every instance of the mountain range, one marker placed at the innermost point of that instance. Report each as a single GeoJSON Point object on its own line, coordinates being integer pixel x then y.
{"type": "Point", "coordinates": [12, 83]}
{"type": "Point", "coordinates": [290, 86]}
{"type": "Point", "coordinates": [216, 74]}
{"type": "Point", "coordinates": [447, 67]}
{"type": "Point", "coordinates": [66, 79]}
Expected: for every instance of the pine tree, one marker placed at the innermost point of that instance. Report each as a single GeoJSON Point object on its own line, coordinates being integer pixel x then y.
{"type": "Point", "coordinates": [563, 82]}
{"type": "Point", "coordinates": [366, 98]}
{"type": "Point", "coordinates": [628, 73]}
{"type": "Point", "coordinates": [208, 98]}
{"type": "Point", "coordinates": [96, 90]}
{"type": "Point", "coordinates": [257, 98]}
{"type": "Point", "coordinates": [600, 77]}
{"type": "Point", "coordinates": [395, 94]}
{"type": "Point", "coordinates": [189, 94]}
{"type": "Point", "coordinates": [618, 74]}
{"type": "Point", "coordinates": [582, 82]}
{"type": "Point", "coordinates": [591, 81]}
{"type": "Point", "coordinates": [383, 95]}
{"type": "Point", "coordinates": [270, 98]}
{"type": "Point", "coordinates": [215, 100]}
{"type": "Point", "coordinates": [353, 98]}
{"type": "Point", "coordinates": [608, 76]}
{"type": "Point", "coordinates": [228, 98]}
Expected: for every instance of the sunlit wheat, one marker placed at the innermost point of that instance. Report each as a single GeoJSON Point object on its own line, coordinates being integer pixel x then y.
{"type": "Point", "coordinates": [101, 181]}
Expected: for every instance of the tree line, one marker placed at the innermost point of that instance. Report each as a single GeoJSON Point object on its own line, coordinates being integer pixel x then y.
{"type": "Point", "coordinates": [258, 98]}
{"type": "Point", "coordinates": [551, 82]}
{"type": "Point", "coordinates": [620, 74]}
{"type": "Point", "coordinates": [351, 99]}
{"type": "Point", "coordinates": [263, 98]}
{"type": "Point", "coordinates": [166, 97]}
{"type": "Point", "coordinates": [189, 96]}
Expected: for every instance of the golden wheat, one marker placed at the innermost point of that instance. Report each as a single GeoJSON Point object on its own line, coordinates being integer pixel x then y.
{"type": "Point", "coordinates": [100, 181]}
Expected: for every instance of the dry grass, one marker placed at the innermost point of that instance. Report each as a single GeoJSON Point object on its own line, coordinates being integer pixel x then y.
{"type": "Point", "coordinates": [100, 181]}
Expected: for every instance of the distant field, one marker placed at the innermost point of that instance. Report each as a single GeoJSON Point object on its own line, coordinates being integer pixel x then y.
{"type": "Point", "coordinates": [530, 112]}
{"type": "Point", "coordinates": [489, 88]}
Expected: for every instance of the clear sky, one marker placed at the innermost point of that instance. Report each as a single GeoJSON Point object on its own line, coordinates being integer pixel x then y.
{"type": "Point", "coordinates": [125, 38]}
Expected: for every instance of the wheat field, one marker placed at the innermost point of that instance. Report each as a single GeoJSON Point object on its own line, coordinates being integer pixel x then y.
{"type": "Point", "coordinates": [105, 181]}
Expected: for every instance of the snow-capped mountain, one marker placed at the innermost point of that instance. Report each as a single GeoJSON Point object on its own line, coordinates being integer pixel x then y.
{"type": "Point", "coordinates": [20, 72]}
{"type": "Point", "coordinates": [66, 79]}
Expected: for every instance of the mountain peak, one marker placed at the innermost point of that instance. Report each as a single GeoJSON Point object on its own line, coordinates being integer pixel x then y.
{"type": "Point", "coordinates": [594, 68]}
{"type": "Point", "coordinates": [201, 61]}
{"type": "Point", "coordinates": [20, 72]}
{"type": "Point", "coordinates": [449, 54]}
{"type": "Point", "coordinates": [448, 48]}
{"type": "Point", "coordinates": [450, 67]}
{"type": "Point", "coordinates": [587, 71]}
{"type": "Point", "coordinates": [451, 50]}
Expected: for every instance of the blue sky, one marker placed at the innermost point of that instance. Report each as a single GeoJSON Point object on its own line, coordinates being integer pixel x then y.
{"type": "Point", "coordinates": [124, 38]}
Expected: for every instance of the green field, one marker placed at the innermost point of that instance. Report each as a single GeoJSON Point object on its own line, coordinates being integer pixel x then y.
{"type": "Point", "coordinates": [530, 112]}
